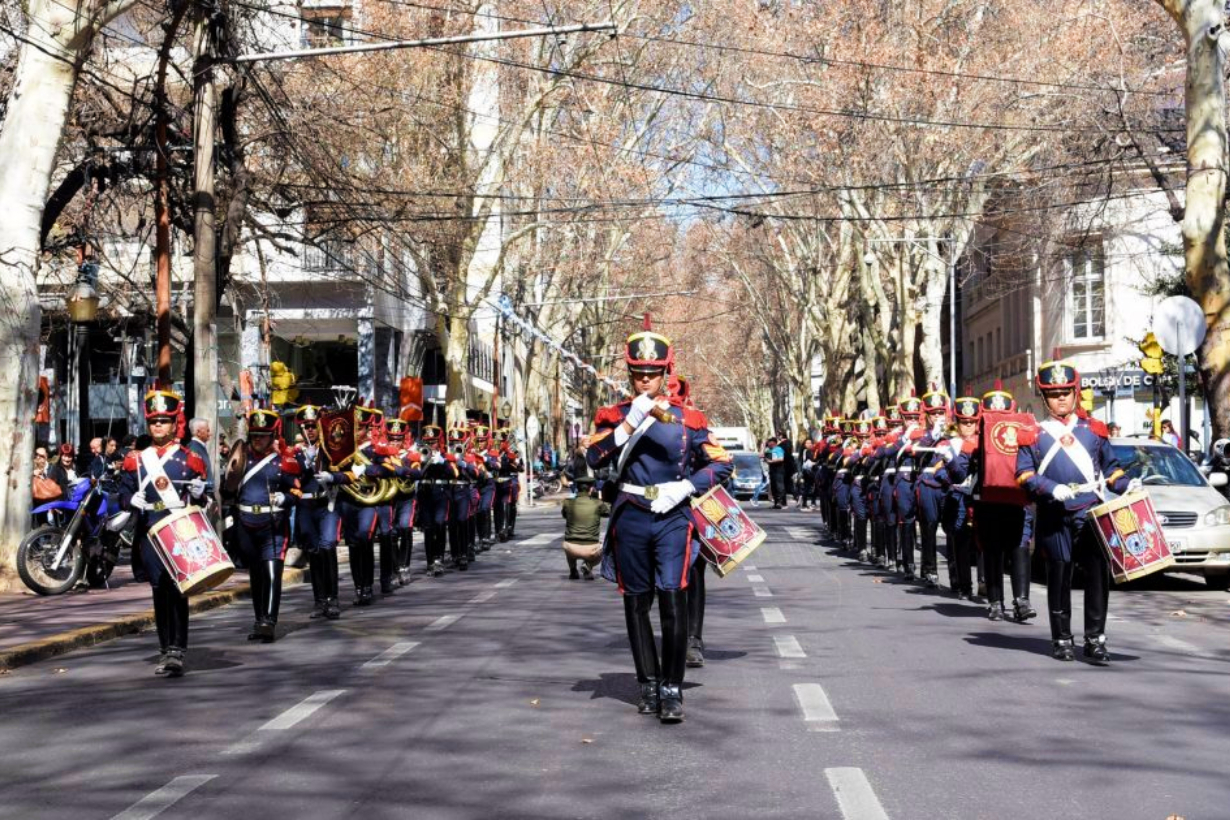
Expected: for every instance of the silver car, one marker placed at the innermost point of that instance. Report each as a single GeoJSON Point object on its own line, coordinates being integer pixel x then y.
{"type": "Point", "coordinates": [1194, 516]}
{"type": "Point", "coordinates": [747, 474]}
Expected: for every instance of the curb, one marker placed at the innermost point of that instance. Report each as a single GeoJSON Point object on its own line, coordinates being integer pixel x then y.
{"type": "Point", "coordinates": [59, 644]}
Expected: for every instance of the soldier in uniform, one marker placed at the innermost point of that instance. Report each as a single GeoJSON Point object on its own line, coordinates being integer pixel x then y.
{"type": "Point", "coordinates": [929, 486]}
{"type": "Point", "coordinates": [261, 493]}
{"type": "Point", "coordinates": [663, 454]}
{"type": "Point", "coordinates": [153, 483]}
{"type": "Point", "coordinates": [905, 499]}
{"type": "Point", "coordinates": [1063, 465]}
{"type": "Point", "coordinates": [317, 523]}
{"type": "Point", "coordinates": [959, 473]}
{"type": "Point", "coordinates": [508, 488]}
{"type": "Point", "coordinates": [486, 488]}
{"type": "Point", "coordinates": [459, 499]}
{"type": "Point", "coordinates": [859, 463]}
{"type": "Point", "coordinates": [887, 455]}
{"type": "Point", "coordinates": [408, 462]}
{"type": "Point", "coordinates": [434, 490]}
{"type": "Point", "coordinates": [1004, 532]}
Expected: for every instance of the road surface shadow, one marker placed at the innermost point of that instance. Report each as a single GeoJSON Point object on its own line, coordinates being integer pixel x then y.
{"type": "Point", "coordinates": [955, 610]}
{"type": "Point", "coordinates": [1032, 645]}
{"type": "Point", "coordinates": [620, 686]}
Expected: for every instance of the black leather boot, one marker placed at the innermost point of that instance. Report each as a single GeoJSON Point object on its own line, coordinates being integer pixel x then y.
{"type": "Point", "coordinates": [256, 582]}
{"type": "Point", "coordinates": [333, 610]}
{"type": "Point", "coordinates": [360, 557]}
{"type": "Point", "coordinates": [316, 569]}
{"type": "Point", "coordinates": [272, 595]}
{"type": "Point", "coordinates": [387, 571]}
{"type": "Point", "coordinates": [673, 610]}
{"type": "Point", "coordinates": [644, 652]}
{"type": "Point", "coordinates": [1096, 651]}
{"type": "Point", "coordinates": [1022, 610]}
{"type": "Point", "coordinates": [1061, 637]}
{"type": "Point", "coordinates": [696, 614]}
{"type": "Point", "coordinates": [162, 618]}
{"type": "Point", "coordinates": [405, 545]}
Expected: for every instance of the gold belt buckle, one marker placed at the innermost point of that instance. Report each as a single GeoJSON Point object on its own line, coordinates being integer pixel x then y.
{"type": "Point", "coordinates": [651, 492]}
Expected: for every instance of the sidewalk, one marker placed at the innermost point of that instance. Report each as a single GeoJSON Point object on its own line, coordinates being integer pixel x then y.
{"type": "Point", "coordinates": [35, 627]}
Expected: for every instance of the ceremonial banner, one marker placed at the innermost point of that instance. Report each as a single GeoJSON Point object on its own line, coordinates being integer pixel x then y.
{"type": "Point", "coordinates": [410, 399]}
{"type": "Point", "coordinates": [727, 535]}
{"type": "Point", "coordinates": [998, 436]}
{"type": "Point", "coordinates": [337, 436]}
{"type": "Point", "coordinates": [1132, 537]}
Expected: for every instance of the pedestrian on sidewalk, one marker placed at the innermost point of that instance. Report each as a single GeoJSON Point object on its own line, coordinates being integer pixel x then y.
{"type": "Point", "coordinates": [583, 515]}
{"type": "Point", "coordinates": [777, 473]}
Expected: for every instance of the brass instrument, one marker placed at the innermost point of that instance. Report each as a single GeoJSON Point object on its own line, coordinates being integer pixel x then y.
{"type": "Point", "coordinates": [370, 491]}
{"type": "Point", "coordinates": [659, 413]}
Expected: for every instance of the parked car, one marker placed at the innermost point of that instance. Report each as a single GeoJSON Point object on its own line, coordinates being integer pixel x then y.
{"type": "Point", "coordinates": [746, 475]}
{"type": "Point", "coordinates": [1194, 515]}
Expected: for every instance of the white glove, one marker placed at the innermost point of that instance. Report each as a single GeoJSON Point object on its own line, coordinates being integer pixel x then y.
{"type": "Point", "coordinates": [277, 499]}
{"type": "Point", "coordinates": [1063, 492]}
{"type": "Point", "coordinates": [324, 478]}
{"type": "Point", "coordinates": [437, 457]}
{"type": "Point", "coordinates": [1135, 484]}
{"type": "Point", "coordinates": [641, 407]}
{"type": "Point", "coordinates": [139, 502]}
{"type": "Point", "coordinates": [358, 470]}
{"type": "Point", "coordinates": [196, 487]}
{"type": "Point", "coordinates": [671, 495]}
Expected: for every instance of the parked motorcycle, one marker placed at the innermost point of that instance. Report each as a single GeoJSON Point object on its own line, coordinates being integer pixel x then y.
{"type": "Point", "coordinates": [547, 482]}
{"type": "Point", "coordinates": [53, 558]}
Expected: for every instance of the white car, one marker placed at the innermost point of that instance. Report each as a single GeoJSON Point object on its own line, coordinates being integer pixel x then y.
{"type": "Point", "coordinates": [1194, 516]}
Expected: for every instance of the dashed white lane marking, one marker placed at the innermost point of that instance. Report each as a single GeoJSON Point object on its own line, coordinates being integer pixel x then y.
{"type": "Point", "coordinates": [756, 579]}
{"type": "Point", "coordinates": [1177, 644]}
{"type": "Point", "coordinates": [788, 647]}
{"type": "Point", "coordinates": [507, 582]}
{"type": "Point", "coordinates": [772, 615]}
{"type": "Point", "coordinates": [854, 794]}
{"type": "Point", "coordinates": [483, 597]}
{"type": "Point", "coordinates": [749, 567]}
{"type": "Point", "coordinates": [762, 591]}
{"type": "Point", "coordinates": [443, 622]}
{"type": "Point", "coordinates": [301, 711]}
{"type": "Point", "coordinates": [544, 538]}
{"type": "Point", "coordinates": [817, 711]}
{"type": "Point", "coordinates": [287, 720]}
{"type": "Point", "coordinates": [155, 803]}
{"type": "Point", "coordinates": [389, 655]}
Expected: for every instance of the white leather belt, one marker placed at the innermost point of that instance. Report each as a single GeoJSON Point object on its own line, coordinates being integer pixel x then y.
{"type": "Point", "coordinates": [258, 509]}
{"type": "Point", "coordinates": [649, 493]}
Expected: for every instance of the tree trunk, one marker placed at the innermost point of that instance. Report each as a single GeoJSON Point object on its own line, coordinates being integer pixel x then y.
{"type": "Point", "coordinates": [34, 120]}
{"type": "Point", "coordinates": [456, 360]}
{"type": "Point", "coordinates": [205, 272]}
{"type": "Point", "coordinates": [930, 320]}
{"type": "Point", "coordinates": [1204, 242]}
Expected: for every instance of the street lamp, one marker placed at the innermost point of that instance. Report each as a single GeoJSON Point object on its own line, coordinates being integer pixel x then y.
{"type": "Point", "coordinates": [82, 304]}
{"type": "Point", "coordinates": [506, 410]}
{"type": "Point", "coordinates": [83, 298]}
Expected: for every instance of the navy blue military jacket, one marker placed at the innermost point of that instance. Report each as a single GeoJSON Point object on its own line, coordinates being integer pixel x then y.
{"type": "Point", "coordinates": [262, 477]}
{"type": "Point", "coordinates": [1077, 453]}
{"type": "Point", "coordinates": [664, 453]}
{"type": "Point", "coordinates": [178, 462]}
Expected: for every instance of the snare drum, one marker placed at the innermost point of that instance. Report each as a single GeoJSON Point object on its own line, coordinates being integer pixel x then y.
{"type": "Point", "coordinates": [727, 535]}
{"type": "Point", "coordinates": [1130, 534]}
{"type": "Point", "coordinates": [190, 551]}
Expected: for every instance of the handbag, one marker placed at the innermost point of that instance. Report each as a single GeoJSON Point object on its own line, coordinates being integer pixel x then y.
{"type": "Point", "coordinates": [45, 489]}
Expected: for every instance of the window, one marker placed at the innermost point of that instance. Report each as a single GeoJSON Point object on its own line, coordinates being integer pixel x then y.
{"type": "Point", "coordinates": [1087, 294]}
{"type": "Point", "coordinates": [324, 27]}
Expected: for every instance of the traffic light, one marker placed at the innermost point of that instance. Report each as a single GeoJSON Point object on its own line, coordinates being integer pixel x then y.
{"type": "Point", "coordinates": [1152, 360]}
{"type": "Point", "coordinates": [1087, 399]}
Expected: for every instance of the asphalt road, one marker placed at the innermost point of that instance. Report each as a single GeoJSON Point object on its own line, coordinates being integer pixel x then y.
{"type": "Point", "coordinates": [831, 691]}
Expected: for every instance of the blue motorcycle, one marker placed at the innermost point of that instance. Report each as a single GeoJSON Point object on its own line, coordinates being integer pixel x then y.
{"type": "Point", "coordinates": [53, 558]}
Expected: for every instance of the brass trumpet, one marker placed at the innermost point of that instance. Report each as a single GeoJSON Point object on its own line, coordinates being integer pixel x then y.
{"type": "Point", "coordinates": [370, 491]}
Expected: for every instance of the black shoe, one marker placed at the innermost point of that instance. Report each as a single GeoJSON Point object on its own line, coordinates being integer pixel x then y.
{"type": "Point", "coordinates": [963, 596]}
{"type": "Point", "coordinates": [1022, 611]}
{"type": "Point", "coordinates": [696, 653]}
{"type": "Point", "coordinates": [318, 609]}
{"type": "Point", "coordinates": [171, 665]}
{"type": "Point", "coordinates": [255, 634]}
{"type": "Point", "coordinates": [651, 701]}
{"type": "Point", "coordinates": [932, 580]}
{"type": "Point", "coordinates": [863, 557]}
{"type": "Point", "coordinates": [573, 575]}
{"type": "Point", "coordinates": [463, 565]}
{"type": "Point", "coordinates": [672, 704]}
{"type": "Point", "coordinates": [333, 610]}
{"type": "Point", "coordinates": [587, 573]}
{"type": "Point", "coordinates": [1096, 651]}
{"type": "Point", "coordinates": [437, 569]}
{"type": "Point", "coordinates": [908, 575]}
{"type": "Point", "coordinates": [386, 586]}
{"type": "Point", "coordinates": [995, 612]}
{"type": "Point", "coordinates": [363, 597]}
{"type": "Point", "coordinates": [262, 631]}
{"type": "Point", "coordinates": [1061, 650]}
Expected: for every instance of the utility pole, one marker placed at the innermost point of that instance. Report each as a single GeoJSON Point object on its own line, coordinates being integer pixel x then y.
{"type": "Point", "coordinates": [162, 202]}
{"type": "Point", "coordinates": [204, 263]}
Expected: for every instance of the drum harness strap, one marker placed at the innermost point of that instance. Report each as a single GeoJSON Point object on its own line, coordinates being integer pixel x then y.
{"type": "Point", "coordinates": [251, 473]}
{"type": "Point", "coordinates": [153, 465]}
{"type": "Point", "coordinates": [1095, 482]}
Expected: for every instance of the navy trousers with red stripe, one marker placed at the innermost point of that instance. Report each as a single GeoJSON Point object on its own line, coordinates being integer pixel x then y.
{"type": "Point", "coordinates": [646, 550]}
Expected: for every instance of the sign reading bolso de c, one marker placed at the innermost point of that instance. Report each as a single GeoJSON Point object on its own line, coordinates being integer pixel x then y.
{"type": "Point", "coordinates": [1123, 382]}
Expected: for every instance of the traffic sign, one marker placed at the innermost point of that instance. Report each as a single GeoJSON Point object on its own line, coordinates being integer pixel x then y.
{"type": "Point", "coordinates": [1180, 325]}
{"type": "Point", "coordinates": [532, 427]}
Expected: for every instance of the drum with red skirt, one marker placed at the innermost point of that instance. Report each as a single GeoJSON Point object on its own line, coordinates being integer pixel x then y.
{"type": "Point", "coordinates": [1132, 537]}
{"type": "Point", "coordinates": [727, 535]}
{"type": "Point", "coordinates": [191, 551]}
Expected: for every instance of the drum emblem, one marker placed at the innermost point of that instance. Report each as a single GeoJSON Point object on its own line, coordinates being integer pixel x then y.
{"type": "Point", "coordinates": [1004, 436]}
{"type": "Point", "coordinates": [730, 527]}
{"type": "Point", "coordinates": [1135, 545]}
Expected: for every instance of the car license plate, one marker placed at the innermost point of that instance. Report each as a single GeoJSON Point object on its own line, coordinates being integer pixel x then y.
{"type": "Point", "coordinates": [1175, 546]}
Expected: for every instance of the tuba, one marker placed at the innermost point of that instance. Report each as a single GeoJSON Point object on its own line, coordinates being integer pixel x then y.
{"type": "Point", "coordinates": [370, 491]}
